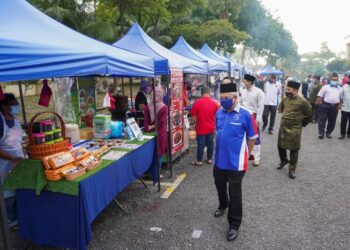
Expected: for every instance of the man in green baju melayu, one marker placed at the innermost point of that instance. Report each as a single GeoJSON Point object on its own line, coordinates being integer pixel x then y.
{"type": "Point", "coordinates": [296, 114]}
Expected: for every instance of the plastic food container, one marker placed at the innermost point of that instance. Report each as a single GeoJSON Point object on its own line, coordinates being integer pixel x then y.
{"type": "Point", "coordinates": [46, 126]}
{"type": "Point", "coordinates": [39, 138]}
{"type": "Point", "coordinates": [49, 136]}
{"type": "Point", "coordinates": [57, 133]}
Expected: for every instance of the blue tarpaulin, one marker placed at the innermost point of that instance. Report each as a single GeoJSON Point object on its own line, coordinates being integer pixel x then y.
{"type": "Point", "coordinates": [34, 46]}
{"type": "Point", "coordinates": [207, 51]}
{"type": "Point", "coordinates": [269, 70]}
{"type": "Point", "coordinates": [183, 48]}
{"type": "Point", "coordinates": [136, 40]}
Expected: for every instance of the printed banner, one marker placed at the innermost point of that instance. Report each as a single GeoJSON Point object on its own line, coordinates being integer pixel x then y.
{"type": "Point", "coordinates": [176, 110]}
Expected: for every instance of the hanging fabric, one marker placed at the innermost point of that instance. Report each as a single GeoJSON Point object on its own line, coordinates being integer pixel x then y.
{"type": "Point", "coordinates": [2, 95]}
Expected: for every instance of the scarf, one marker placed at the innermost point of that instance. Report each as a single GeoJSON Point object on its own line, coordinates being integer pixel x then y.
{"type": "Point", "coordinates": [159, 102]}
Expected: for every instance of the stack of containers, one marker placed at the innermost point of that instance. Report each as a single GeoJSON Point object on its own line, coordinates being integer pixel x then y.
{"type": "Point", "coordinates": [102, 125]}
{"type": "Point", "coordinates": [48, 133]}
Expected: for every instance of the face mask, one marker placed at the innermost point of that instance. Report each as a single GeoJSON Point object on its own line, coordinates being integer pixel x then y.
{"type": "Point", "coordinates": [289, 95]}
{"type": "Point", "coordinates": [15, 110]}
{"type": "Point", "coordinates": [333, 83]}
{"type": "Point", "coordinates": [226, 104]}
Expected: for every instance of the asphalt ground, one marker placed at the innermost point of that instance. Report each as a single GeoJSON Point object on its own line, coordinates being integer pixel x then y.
{"type": "Point", "coordinates": [310, 212]}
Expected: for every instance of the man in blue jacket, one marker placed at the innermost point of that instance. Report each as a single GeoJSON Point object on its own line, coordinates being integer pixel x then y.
{"type": "Point", "coordinates": [236, 134]}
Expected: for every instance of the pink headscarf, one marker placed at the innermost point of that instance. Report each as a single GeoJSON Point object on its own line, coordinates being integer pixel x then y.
{"type": "Point", "coordinates": [159, 102]}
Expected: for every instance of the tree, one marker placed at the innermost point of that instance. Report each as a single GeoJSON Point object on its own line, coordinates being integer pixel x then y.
{"type": "Point", "coordinates": [339, 65]}
{"type": "Point", "coordinates": [226, 9]}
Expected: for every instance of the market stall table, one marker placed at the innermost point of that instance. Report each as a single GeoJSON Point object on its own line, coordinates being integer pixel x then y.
{"type": "Point", "coordinates": [60, 213]}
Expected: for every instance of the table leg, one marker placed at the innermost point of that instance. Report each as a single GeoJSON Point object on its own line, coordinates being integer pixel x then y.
{"type": "Point", "coordinates": [119, 205]}
{"type": "Point", "coordinates": [143, 182]}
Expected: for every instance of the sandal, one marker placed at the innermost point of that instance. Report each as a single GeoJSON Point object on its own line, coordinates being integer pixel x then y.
{"type": "Point", "coordinates": [209, 161]}
{"type": "Point", "coordinates": [197, 163]}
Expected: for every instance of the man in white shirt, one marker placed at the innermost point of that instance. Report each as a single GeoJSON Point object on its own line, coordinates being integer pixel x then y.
{"type": "Point", "coordinates": [330, 98]}
{"type": "Point", "coordinates": [252, 98]}
{"type": "Point", "coordinates": [345, 111]}
{"type": "Point", "coordinates": [272, 91]}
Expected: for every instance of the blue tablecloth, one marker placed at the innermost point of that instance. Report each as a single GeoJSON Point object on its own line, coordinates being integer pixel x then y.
{"type": "Point", "coordinates": [64, 220]}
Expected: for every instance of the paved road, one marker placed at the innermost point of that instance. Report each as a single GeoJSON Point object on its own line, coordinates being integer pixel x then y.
{"type": "Point", "coordinates": [311, 212]}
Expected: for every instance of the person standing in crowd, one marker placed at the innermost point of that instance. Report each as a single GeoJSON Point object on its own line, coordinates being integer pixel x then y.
{"type": "Point", "coordinates": [203, 111]}
{"type": "Point", "coordinates": [162, 118]}
{"type": "Point", "coordinates": [345, 112]}
{"type": "Point", "coordinates": [345, 79]}
{"type": "Point", "coordinates": [313, 98]}
{"type": "Point", "coordinates": [272, 91]}
{"type": "Point", "coordinates": [236, 134]}
{"type": "Point", "coordinates": [305, 86]}
{"type": "Point", "coordinates": [11, 151]}
{"type": "Point", "coordinates": [296, 113]}
{"type": "Point", "coordinates": [252, 98]}
{"type": "Point", "coordinates": [330, 99]}
{"type": "Point", "coordinates": [141, 101]}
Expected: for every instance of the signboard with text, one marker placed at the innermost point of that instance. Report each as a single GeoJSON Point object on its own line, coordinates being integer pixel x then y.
{"type": "Point", "coordinates": [176, 110]}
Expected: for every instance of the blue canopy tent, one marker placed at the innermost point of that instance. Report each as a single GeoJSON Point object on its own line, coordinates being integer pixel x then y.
{"type": "Point", "coordinates": [181, 47]}
{"type": "Point", "coordinates": [207, 51]}
{"type": "Point", "coordinates": [269, 70]}
{"type": "Point", "coordinates": [136, 40]}
{"type": "Point", "coordinates": [34, 46]}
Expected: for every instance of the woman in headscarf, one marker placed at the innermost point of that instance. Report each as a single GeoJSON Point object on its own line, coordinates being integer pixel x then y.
{"type": "Point", "coordinates": [11, 151]}
{"type": "Point", "coordinates": [141, 101]}
{"type": "Point", "coordinates": [162, 116]}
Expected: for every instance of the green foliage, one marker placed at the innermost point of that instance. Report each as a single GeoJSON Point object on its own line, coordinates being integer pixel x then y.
{"type": "Point", "coordinates": [223, 24]}
{"type": "Point", "coordinates": [339, 65]}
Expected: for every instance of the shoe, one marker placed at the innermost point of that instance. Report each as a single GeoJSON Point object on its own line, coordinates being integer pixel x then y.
{"type": "Point", "coordinates": [291, 174]}
{"type": "Point", "coordinates": [256, 163]}
{"type": "Point", "coordinates": [251, 158]}
{"type": "Point", "coordinates": [219, 212]}
{"type": "Point", "coordinates": [232, 234]}
{"type": "Point", "coordinates": [341, 137]}
{"type": "Point", "coordinates": [328, 136]}
{"type": "Point", "coordinates": [263, 128]}
{"type": "Point", "coordinates": [270, 132]}
{"type": "Point", "coordinates": [282, 164]}
{"type": "Point", "coordinates": [321, 137]}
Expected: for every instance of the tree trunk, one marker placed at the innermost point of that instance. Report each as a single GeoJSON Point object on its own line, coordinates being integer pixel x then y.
{"type": "Point", "coordinates": [243, 54]}
{"type": "Point", "coordinates": [122, 17]}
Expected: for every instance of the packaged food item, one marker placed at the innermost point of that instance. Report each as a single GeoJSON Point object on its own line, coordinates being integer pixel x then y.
{"type": "Point", "coordinates": [90, 162]}
{"type": "Point", "coordinates": [57, 161]}
{"type": "Point", "coordinates": [79, 153]}
{"type": "Point", "coordinates": [48, 136]}
{"type": "Point", "coordinates": [57, 133]}
{"type": "Point", "coordinates": [72, 132]}
{"type": "Point", "coordinates": [39, 138]}
{"type": "Point", "coordinates": [47, 158]}
{"type": "Point", "coordinates": [74, 172]}
{"type": "Point", "coordinates": [46, 126]}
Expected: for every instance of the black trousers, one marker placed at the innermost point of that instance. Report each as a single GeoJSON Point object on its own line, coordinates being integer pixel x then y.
{"type": "Point", "coordinates": [234, 200]}
{"type": "Point", "coordinates": [269, 109]}
{"type": "Point", "coordinates": [328, 114]}
{"type": "Point", "coordinates": [315, 112]}
{"type": "Point", "coordinates": [293, 157]}
{"type": "Point", "coordinates": [345, 117]}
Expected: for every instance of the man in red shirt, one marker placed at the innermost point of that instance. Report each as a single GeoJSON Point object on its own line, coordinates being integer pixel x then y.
{"type": "Point", "coordinates": [204, 110]}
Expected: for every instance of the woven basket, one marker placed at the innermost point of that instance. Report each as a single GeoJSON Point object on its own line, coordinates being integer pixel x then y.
{"type": "Point", "coordinates": [39, 151]}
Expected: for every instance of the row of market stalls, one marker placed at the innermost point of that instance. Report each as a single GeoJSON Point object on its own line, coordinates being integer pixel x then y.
{"type": "Point", "coordinates": [34, 46]}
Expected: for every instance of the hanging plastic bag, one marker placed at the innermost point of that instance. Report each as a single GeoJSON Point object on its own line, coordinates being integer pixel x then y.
{"type": "Point", "coordinates": [2, 95]}
{"type": "Point", "coordinates": [106, 101]}
{"type": "Point", "coordinates": [45, 95]}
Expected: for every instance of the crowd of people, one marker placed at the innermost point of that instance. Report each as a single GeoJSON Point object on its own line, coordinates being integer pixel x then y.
{"type": "Point", "coordinates": [244, 110]}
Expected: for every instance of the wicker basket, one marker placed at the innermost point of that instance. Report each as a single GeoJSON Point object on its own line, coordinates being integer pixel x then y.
{"type": "Point", "coordinates": [38, 151]}
{"type": "Point", "coordinates": [75, 175]}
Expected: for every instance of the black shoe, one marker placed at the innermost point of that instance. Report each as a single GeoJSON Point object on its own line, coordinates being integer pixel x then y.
{"type": "Point", "coordinates": [291, 174]}
{"type": "Point", "coordinates": [232, 234]}
{"type": "Point", "coordinates": [328, 136]}
{"type": "Point", "coordinates": [321, 137]}
{"type": "Point", "coordinates": [341, 137]}
{"type": "Point", "coordinates": [270, 132]}
{"type": "Point", "coordinates": [282, 164]}
{"type": "Point", "coordinates": [219, 212]}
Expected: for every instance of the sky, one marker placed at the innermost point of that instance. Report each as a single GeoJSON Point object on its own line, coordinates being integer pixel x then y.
{"type": "Point", "coordinates": [313, 21]}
